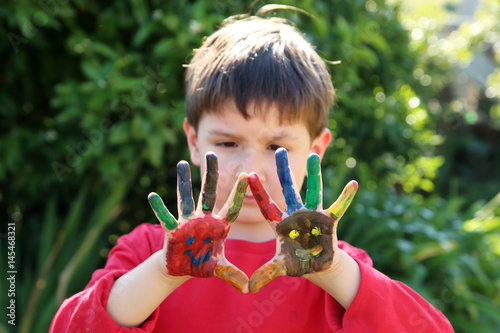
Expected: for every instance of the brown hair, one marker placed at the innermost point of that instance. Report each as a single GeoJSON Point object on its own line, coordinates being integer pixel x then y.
{"type": "Point", "coordinates": [265, 61]}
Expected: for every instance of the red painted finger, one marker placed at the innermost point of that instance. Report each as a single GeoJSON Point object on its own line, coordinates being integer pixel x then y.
{"type": "Point", "coordinates": [267, 206]}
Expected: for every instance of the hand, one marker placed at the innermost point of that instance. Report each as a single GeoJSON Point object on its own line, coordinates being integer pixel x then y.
{"type": "Point", "coordinates": [306, 235]}
{"type": "Point", "coordinates": [194, 243]}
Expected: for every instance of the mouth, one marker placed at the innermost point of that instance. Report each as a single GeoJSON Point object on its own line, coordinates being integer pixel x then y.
{"type": "Point", "coordinates": [197, 261]}
{"type": "Point", "coordinates": [305, 255]}
{"type": "Point", "coordinates": [249, 199]}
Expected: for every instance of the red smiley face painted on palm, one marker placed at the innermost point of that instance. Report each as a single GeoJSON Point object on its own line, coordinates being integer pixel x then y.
{"type": "Point", "coordinates": [191, 248]}
{"type": "Point", "coordinates": [194, 243]}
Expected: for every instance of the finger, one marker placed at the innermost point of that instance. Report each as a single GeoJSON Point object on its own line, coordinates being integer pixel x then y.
{"type": "Point", "coordinates": [185, 190]}
{"type": "Point", "coordinates": [161, 212]}
{"type": "Point", "coordinates": [314, 184]}
{"type": "Point", "coordinates": [234, 276]}
{"type": "Point", "coordinates": [209, 186]}
{"type": "Point", "coordinates": [267, 206]}
{"type": "Point", "coordinates": [232, 208]}
{"type": "Point", "coordinates": [340, 206]}
{"type": "Point", "coordinates": [292, 196]}
{"type": "Point", "coordinates": [266, 274]}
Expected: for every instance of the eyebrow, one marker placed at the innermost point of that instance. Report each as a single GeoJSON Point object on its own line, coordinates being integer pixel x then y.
{"type": "Point", "coordinates": [279, 136]}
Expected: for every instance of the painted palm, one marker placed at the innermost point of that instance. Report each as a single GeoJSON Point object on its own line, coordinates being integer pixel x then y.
{"type": "Point", "coordinates": [306, 234]}
{"type": "Point", "coordinates": [194, 243]}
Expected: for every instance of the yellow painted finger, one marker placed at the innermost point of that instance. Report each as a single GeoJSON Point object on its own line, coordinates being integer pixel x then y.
{"type": "Point", "coordinates": [340, 206]}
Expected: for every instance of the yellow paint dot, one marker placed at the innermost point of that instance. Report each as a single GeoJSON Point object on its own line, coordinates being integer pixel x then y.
{"type": "Point", "coordinates": [316, 231]}
{"type": "Point", "coordinates": [293, 234]}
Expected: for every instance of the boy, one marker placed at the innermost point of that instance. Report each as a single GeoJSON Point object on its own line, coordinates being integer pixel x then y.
{"type": "Point", "coordinates": [253, 87]}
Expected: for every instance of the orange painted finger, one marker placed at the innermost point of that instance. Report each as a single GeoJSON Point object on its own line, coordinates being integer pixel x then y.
{"type": "Point", "coordinates": [233, 276]}
{"type": "Point", "coordinates": [266, 274]}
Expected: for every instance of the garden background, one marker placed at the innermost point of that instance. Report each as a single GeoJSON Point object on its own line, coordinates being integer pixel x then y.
{"type": "Point", "coordinates": [91, 105]}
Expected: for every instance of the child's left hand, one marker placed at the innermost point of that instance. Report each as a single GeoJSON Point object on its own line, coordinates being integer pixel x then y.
{"type": "Point", "coordinates": [307, 237]}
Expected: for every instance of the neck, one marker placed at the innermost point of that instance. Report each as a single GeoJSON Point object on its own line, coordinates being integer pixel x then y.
{"type": "Point", "coordinates": [252, 232]}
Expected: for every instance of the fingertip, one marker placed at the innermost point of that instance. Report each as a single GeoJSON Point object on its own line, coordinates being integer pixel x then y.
{"type": "Point", "coordinates": [254, 290]}
{"type": "Point", "coordinates": [354, 184]}
{"type": "Point", "coordinates": [313, 157]}
{"type": "Point", "coordinates": [242, 182]}
{"type": "Point", "coordinates": [281, 151]}
{"type": "Point", "coordinates": [281, 156]}
{"type": "Point", "coordinates": [182, 166]}
{"type": "Point", "coordinates": [313, 163]}
{"type": "Point", "coordinates": [211, 162]}
{"type": "Point", "coordinates": [210, 155]}
{"type": "Point", "coordinates": [154, 199]}
{"type": "Point", "coordinates": [253, 179]}
{"type": "Point", "coordinates": [254, 182]}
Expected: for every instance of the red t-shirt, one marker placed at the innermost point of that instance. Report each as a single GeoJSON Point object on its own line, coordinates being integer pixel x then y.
{"type": "Point", "coordinates": [286, 304]}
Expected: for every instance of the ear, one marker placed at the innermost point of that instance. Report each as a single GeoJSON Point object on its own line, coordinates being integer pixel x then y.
{"type": "Point", "coordinates": [192, 140]}
{"type": "Point", "coordinates": [321, 142]}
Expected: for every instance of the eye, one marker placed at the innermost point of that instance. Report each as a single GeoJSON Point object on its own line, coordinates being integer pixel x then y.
{"type": "Point", "coordinates": [293, 234]}
{"type": "Point", "coordinates": [274, 147]}
{"type": "Point", "coordinates": [190, 240]}
{"type": "Point", "coordinates": [227, 144]}
{"type": "Point", "coordinates": [208, 240]}
{"type": "Point", "coordinates": [316, 231]}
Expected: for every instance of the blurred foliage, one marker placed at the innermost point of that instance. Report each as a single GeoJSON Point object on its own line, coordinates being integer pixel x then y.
{"type": "Point", "coordinates": [455, 53]}
{"type": "Point", "coordinates": [92, 108]}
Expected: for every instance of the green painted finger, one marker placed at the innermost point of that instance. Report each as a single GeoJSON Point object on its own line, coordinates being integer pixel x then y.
{"type": "Point", "coordinates": [313, 195]}
{"type": "Point", "coordinates": [340, 206]}
{"type": "Point", "coordinates": [239, 196]}
{"type": "Point", "coordinates": [161, 212]}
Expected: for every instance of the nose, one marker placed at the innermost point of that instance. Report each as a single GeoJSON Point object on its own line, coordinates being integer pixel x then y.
{"type": "Point", "coordinates": [252, 161]}
{"type": "Point", "coordinates": [305, 239]}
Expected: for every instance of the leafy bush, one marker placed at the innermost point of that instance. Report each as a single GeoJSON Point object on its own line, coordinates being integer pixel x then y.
{"type": "Point", "coordinates": [92, 111]}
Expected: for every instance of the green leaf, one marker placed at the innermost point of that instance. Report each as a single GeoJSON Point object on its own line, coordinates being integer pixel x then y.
{"type": "Point", "coordinates": [120, 133]}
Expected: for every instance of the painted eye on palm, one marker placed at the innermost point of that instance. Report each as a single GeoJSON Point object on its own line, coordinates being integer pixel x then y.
{"type": "Point", "coordinates": [195, 242]}
{"type": "Point", "coordinates": [306, 234]}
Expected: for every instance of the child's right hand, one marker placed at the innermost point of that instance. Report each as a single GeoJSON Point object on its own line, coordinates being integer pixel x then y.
{"type": "Point", "coordinates": [194, 243]}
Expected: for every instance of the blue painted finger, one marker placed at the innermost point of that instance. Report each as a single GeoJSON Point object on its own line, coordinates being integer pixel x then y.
{"type": "Point", "coordinates": [185, 190]}
{"type": "Point", "coordinates": [292, 197]}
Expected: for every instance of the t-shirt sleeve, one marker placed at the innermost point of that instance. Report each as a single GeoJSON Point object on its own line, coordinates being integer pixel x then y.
{"type": "Point", "coordinates": [86, 311]}
{"type": "Point", "coordinates": [386, 305]}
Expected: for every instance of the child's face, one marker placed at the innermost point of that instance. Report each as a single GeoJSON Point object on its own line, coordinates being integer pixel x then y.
{"type": "Point", "coordinates": [249, 146]}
